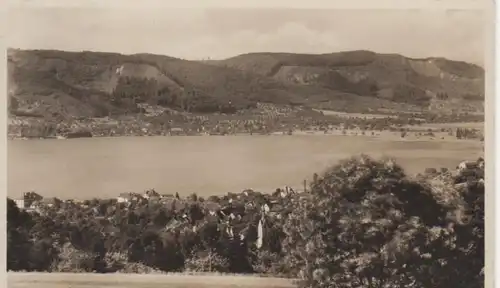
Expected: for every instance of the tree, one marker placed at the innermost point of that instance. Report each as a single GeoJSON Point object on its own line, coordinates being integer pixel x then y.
{"type": "Point", "coordinates": [459, 133]}
{"type": "Point", "coordinates": [193, 197]}
{"type": "Point", "coordinates": [13, 103]}
{"type": "Point", "coordinates": [465, 269]}
{"type": "Point", "coordinates": [195, 213]}
{"type": "Point", "coordinates": [18, 236]}
{"type": "Point", "coordinates": [71, 259]}
{"type": "Point", "coordinates": [42, 255]}
{"type": "Point", "coordinates": [362, 223]}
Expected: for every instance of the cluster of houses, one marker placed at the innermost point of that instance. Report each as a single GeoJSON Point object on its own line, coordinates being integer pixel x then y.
{"type": "Point", "coordinates": [230, 206]}
{"type": "Point", "coordinates": [233, 211]}
{"type": "Point", "coordinates": [32, 201]}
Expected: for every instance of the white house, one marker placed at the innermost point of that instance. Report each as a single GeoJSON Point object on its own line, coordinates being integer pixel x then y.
{"type": "Point", "coordinates": [481, 164]}
{"type": "Point", "coordinates": [128, 197]}
{"type": "Point", "coordinates": [51, 202]}
{"type": "Point", "coordinates": [467, 165]}
{"type": "Point", "coordinates": [27, 200]}
{"type": "Point", "coordinates": [150, 193]}
{"type": "Point", "coordinates": [20, 203]}
{"type": "Point", "coordinates": [212, 208]}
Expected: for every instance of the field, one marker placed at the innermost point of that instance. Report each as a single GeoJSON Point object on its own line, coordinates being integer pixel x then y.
{"type": "Point", "coordinates": [356, 115]}
{"type": "Point", "coordinates": [105, 167]}
{"type": "Point", "coordinates": [469, 125]}
{"type": "Point", "coordinates": [60, 280]}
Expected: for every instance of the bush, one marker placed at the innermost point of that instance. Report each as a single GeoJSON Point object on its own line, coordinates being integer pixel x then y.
{"type": "Point", "coordinates": [207, 262]}
{"type": "Point", "coordinates": [73, 260]}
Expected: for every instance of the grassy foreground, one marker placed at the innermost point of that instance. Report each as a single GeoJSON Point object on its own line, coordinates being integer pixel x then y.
{"type": "Point", "coordinates": [173, 280]}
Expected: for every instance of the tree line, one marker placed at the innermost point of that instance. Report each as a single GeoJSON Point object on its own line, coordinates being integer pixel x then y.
{"type": "Point", "coordinates": [465, 133]}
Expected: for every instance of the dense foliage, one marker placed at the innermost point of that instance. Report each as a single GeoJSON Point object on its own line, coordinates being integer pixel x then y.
{"type": "Point", "coordinates": [368, 225]}
{"type": "Point", "coordinates": [363, 223]}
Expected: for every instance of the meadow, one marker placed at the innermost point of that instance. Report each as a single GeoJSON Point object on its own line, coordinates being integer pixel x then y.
{"type": "Point", "coordinates": [356, 115]}
{"type": "Point", "coordinates": [214, 165]}
{"type": "Point", "coordinates": [56, 280]}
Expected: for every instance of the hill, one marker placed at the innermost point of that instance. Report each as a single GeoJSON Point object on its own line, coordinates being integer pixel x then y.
{"type": "Point", "coordinates": [50, 83]}
{"type": "Point", "coordinates": [427, 83]}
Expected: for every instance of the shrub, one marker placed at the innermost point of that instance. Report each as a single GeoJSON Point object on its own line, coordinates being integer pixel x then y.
{"type": "Point", "coordinates": [207, 262]}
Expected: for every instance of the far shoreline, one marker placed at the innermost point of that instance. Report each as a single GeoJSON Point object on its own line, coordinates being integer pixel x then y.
{"type": "Point", "coordinates": [387, 136]}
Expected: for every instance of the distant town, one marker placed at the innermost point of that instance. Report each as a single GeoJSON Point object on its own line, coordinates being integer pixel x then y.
{"type": "Point", "coordinates": [266, 119]}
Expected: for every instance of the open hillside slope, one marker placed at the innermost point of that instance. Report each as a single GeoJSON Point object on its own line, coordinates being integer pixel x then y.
{"type": "Point", "coordinates": [428, 83]}
{"type": "Point", "coordinates": [49, 83]}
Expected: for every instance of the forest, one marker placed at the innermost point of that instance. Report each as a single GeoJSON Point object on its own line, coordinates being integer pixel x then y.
{"type": "Point", "coordinates": [361, 223]}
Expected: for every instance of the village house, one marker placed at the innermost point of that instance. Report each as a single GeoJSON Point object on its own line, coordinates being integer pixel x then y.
{"type": "Point", "coordinates": [151, 194]}
{"type": "Point", "coordinates": [128, 197]}
{"type": "Point", "coordinates": [276, 211]}
{"type": "Point", "coordinates": [212, 208]}
{"type": "Point", "coordinates": [50, 202]}
{"type": "Point", "coordinates": [78, 202]}
{"type": "Point", "coordinates": [248, 192]}
{"type": "Point", "coordinates": [480, 163]}
{"type": "Point", "coordinates": [249, 206]}
{"type": "Point", "coordinates": [27, 200]}
{"type": "Point", "coordinates": [35, 205]}
{"type": "Point", "coordinates": [154, 199]}
{"type": "Point", "coordinates": [21, 203]}
{"type": "Point", "coordinates": [212, 218]}
{"type": "Point", "coordinates": [174, 204]}
{"type": "Point", "coordinates": [467, 165]}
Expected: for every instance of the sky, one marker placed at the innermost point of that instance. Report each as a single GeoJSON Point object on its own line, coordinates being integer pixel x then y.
{"type": "Point", "coordinates": [222, 33]}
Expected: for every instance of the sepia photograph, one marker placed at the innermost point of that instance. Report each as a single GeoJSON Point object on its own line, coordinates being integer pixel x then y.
{"type": "Point", "coordinates": [246, 147]}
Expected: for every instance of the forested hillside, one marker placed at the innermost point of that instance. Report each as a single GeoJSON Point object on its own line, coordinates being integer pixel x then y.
{"type": "Point", "coordinates": [49, 83]}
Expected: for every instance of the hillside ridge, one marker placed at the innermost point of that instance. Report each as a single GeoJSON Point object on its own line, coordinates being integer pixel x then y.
{"type": "Point", "coordinates": [65, 84]}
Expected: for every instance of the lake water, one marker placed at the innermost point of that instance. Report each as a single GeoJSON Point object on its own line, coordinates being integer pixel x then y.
{"type": "Point", "coordinates": [105, 167]}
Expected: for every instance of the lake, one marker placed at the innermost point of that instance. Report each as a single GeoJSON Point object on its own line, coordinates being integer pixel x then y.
{"type": "Point", "coordinates": [105, 167]}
